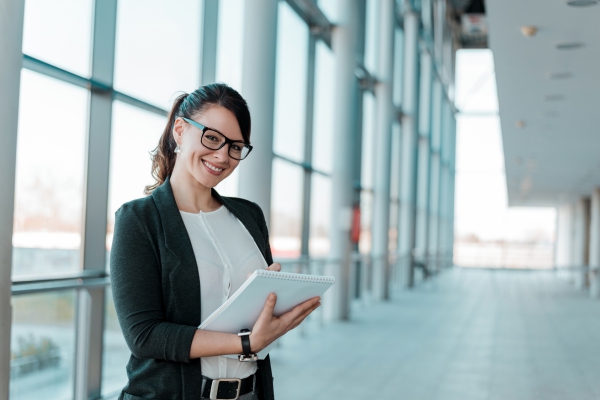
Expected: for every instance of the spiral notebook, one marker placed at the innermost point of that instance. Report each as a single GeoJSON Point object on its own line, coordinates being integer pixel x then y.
{"type": "Point", "coordinates": [242, 309]}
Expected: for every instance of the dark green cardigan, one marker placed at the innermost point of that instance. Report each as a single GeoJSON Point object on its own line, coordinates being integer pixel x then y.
{"type": "Point", "coordinates": [156, 290]}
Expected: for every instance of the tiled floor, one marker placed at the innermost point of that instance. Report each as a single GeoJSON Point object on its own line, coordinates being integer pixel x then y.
{"type": "Point", "coordinates": [466, 334]}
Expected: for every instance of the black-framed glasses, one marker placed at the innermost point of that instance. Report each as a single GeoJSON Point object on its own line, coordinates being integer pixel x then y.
{"type": "Point", "coordinates": [214, 140]}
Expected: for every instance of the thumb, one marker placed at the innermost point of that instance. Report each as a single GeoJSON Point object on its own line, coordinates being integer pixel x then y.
{"type": "Point", "coordinates": [270, 305]}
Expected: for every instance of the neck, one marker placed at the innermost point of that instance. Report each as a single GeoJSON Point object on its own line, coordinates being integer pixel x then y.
{"type": "Point", "coordinates": [190, 195]}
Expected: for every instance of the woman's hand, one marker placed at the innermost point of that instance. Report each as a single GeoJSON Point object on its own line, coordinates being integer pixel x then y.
{"type": "Point", "coordinates": [268, 327]}
{"type": "Point", "coordinates": [274, 267]}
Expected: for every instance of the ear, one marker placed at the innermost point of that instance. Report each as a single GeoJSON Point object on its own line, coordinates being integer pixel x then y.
{"type": "Point", "coordinates": [178, 128]}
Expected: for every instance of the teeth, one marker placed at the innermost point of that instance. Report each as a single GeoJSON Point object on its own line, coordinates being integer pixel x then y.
{"type": "Point", "coordinates": [211, 167]}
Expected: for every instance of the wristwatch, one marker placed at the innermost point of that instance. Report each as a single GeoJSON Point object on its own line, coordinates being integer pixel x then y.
{"type": "Point", "coordinates": [247, 354]}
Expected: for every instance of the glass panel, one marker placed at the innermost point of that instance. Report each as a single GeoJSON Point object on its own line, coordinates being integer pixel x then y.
{"type": "Point", "coordinates": [43, 346]}
{"type": "Point", "coordinates": [371, 34]}
{"type": "Point", "coordinates": [366, 216]}
{"type": "Point", "coordinates": [157, 49]}
{"type": "Point", "coordinates": [116, 353]}
{"type": "Point", "coordinates": [230, 43]}
{"type": "Point", "coordinates": [330, 9]}
{"type": "Point", "coordinates": [135, 133]}
{"type": "Point", "coordinates": [320, 216]}
{"type": "Point", "coordinates": [286, 209]}
{"type": "Point", "coordinates": [398, 66]}
{"type": "Point", "coordinates": [395, 166]}
{"type": "Point", "coordinates": [69, 22]}
{"type": "Point", "coordinates": [290, 89]}
{"type": "Point", "coordinates": [368, 136]}
{"type": "Point", "coordinates": [324, 109]}
{"type": "Point", "coordinates": [49, 176]}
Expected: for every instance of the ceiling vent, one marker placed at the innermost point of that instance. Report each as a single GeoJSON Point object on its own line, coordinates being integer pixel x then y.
{"type": "Point", "coordinates": [554, 97]}
{"type": "Point", "coordinates": [582, 3]}
{"type": "Point", "coordinates": [569, 45]}
{"type": "Point", "coordinates": [558, 75]}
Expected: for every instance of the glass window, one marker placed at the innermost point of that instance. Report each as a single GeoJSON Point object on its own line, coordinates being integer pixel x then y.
{"type": "Point", "coordinates": [49, 176]}
{"type": "Point", "coordinates": [368, 136]}
{"type": "Point", "coordinates": [395, 166]}
{"type": "Point", "coordinates": [371, 35]}
{"type": "Point", "coordinates": [290, 84]}
{"type": "Point", "coordinates": [116, 353]}
{"type": "Point", "coordinates": [322, 157]}
{"type": "Point", "coordinates": [59, 32]}
{"type": "Point", "coordinates": [135, 133]}
{"type": "Point", "coordinates": [42, 346]}
{"type": "Point", "coordinates": [286, 209]}
{"type": "Point", "coordinates": [157, 49]}
{"type": "Point", "coordinates": [320, 216]}
{"type": "Point", "coordinates": [366, 216]}
{"type": "Point", "coordinates": [398, 66]}
{"type": "Point", "coordinates": [230, 43]}
{"type": "Point", "coordinates": [330, 9]}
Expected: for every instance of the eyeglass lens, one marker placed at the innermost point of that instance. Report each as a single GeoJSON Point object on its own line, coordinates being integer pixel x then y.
{"type": "Point", "coordinates": [214, 141]}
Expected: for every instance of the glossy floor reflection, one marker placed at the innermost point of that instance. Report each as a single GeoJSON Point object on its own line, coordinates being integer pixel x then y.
{"type": "Point", "coordinates": [466, 334]}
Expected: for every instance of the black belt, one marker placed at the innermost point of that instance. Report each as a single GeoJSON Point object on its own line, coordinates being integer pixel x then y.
{"type": "Point", "coordinates": [227, 388]}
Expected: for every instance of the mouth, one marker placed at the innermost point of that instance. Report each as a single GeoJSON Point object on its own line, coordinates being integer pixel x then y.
{"type": "Point", "coordinates": [211, 168]}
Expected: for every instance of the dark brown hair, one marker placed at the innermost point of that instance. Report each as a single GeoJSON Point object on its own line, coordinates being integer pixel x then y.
{"type": "Point", "coordinates": [187, 105]}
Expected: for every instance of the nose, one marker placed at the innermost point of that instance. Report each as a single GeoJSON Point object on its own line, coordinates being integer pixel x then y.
{"type": "Point", "coordinates": [222, 153]}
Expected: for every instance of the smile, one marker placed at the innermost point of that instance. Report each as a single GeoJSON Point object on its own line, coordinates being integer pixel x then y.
{"type": "Point", "coordinates": [212, 167]}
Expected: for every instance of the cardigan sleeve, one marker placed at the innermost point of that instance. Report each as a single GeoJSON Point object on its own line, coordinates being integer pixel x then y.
{"type": "Point", "coordinates": [137, 292]}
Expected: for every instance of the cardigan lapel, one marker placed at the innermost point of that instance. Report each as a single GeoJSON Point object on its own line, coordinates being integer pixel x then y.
{"type": "Point", "coordinates": [184, 277]}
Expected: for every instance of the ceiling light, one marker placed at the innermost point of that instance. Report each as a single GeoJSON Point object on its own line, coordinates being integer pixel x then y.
{"type": "Point", "coordinates": [569, 45]}
{"type": "Point", "coordinates": [581, 3]}
{"type": "Point", "coordinates": [554, 97]}
{"type": "Point", "coordinates": [520, 124]}
{"type": "Point", "coordinates": [558, 75]}
{"type": "Point", "coordinates": [528, 31]}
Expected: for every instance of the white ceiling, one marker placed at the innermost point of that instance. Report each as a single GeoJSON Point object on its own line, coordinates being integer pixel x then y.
{"type": "Point", "coordinates": [555, 157]}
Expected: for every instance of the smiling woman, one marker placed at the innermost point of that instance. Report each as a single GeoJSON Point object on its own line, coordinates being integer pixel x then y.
{"type": "Point", "coordinates": [179, 253]}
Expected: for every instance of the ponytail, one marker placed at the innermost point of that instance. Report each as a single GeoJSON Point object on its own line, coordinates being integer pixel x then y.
{"type": "Point", "coordinates": [187, 105]}
{"type": "Point", "coordinates": [163, 156]}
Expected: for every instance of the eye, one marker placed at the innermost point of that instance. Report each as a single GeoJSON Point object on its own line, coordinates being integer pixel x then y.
{"type": "Point", "coordinates": [211, 138]}
{"type": "Point", "coordinates": [236, 147]}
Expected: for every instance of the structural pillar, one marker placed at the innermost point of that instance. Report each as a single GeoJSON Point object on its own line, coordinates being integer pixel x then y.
{"type": "Point", "coordinates": [11, 41]}
{"type": "Point", "coordinates": [383, 145]}
{"type": "Point", "coordinates": [427, 109]}
{"type": "Point", "coordinates": [581, 242]}
{"type": "Point", "coordinates": [435, 179]}
{"type": "Point", "coordinates": [594, 253]}
{"type": "Point", "coordinates": [258, 88]}
{"type": "Point", "coordinates": [344, 45]}
{"type": "Point", "coordinates": [410, 113]}
{"type": "Point", "coordinates": [563, 240]}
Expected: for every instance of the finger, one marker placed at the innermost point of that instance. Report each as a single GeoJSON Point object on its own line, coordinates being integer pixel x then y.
{"type": "Point", "coordinates": [300, 309]}
{"type": "Point", "coordinates": [269, 306]}
{"type": "Point", "coordinates": [274, 267]}
{"type": "Point", "coordinates": [302, 317]}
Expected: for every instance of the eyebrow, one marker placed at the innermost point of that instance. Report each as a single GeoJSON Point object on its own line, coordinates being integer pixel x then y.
{"type": "Point", "coordinates": [213, 129]}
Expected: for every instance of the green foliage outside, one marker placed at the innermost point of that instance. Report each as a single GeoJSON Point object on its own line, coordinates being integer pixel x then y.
{"type": "Point", "coordinates": [33, 354]}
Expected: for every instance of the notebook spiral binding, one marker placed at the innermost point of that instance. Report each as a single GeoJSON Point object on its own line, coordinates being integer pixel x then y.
{"type": "Point", "coordinates": [289, 276]}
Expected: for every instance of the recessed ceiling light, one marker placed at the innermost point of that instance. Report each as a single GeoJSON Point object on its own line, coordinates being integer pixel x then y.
{"type": "Point", "coordinates": [528, 31]}
{"type": "Point", "coordinates": [558, 75]}
{"type": "Point", "coordinates": [581, 3]}
{"type": "Point", "coordinates": [554, 97]}
{"type": "Point", "coordinates": [520, 124]}
{"type": "Point", "coordinates": [569, 45]}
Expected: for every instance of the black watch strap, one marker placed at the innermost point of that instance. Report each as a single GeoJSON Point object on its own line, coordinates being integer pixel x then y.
{"type": "Point", "coordinates": [245, 336]}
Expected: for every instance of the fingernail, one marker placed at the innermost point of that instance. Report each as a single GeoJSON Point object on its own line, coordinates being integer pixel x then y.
{"type": "Point", "coordinates": [271, 296]}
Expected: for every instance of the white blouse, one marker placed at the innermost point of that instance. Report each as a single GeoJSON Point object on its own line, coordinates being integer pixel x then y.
{"type": "Point", "coordinates": [226, 255]}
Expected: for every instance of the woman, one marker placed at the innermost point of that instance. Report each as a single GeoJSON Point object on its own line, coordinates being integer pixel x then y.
{"type": "Point", "coordinates": [178, 254]}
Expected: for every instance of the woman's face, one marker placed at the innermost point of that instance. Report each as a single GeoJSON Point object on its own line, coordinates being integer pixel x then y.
{"type": "Point", "coordinates": [208, 167]}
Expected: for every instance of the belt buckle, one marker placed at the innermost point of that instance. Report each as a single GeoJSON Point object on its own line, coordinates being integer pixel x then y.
{"type": "Point", "coordinates": [214, 389]}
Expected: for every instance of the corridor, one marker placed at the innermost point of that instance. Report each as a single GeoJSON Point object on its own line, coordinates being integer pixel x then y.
{"type": "Point", "coordinates": [465, 334]}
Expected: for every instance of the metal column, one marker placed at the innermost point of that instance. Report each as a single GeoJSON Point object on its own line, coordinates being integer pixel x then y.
{"type": "Point", "coordinates": [408, 180]}
{"type": "Point", "coordinates": [90, 304]}
{"type": "Point", "coordinates": [258, 88]}
{"type": "Point", "coordinates": [344, 45]}
{"type": "Point", "coordinates": [594, 253]}
{"type": "Point", "coordinates": [383, 144]}
{"type": "Point", "coordinates": [11, 40]}
{"type": "Point", "coordinates": [581, 235]}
